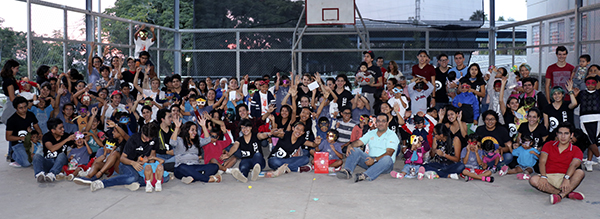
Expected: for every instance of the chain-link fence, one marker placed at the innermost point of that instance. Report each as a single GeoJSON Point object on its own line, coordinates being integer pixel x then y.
{"type": "Point", "coordinates": [67, 46]}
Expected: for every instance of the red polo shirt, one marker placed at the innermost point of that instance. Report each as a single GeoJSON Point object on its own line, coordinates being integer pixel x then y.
{"type": "Point", "coordinates": [559, 162]}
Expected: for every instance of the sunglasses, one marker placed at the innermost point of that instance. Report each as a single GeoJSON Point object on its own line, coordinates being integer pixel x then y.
{"type": "Point", "coordinates": [214, 136]}
{"type": "Point", "coordinates": [143, 34]}
{"type": "Point", "coordinates": [363, 118]}
{"type": "Point", "coordinates": [397, 90]}
{"type": "Point", "coordinates": [124, 120]}
{"type": "Point", "coordinates": [83, 110]}
{"type": "Point", "coordinates": [466, 86]}
{"type": "Point", "coordinates": [331, 136]}
{"type": "Point", "coordinates": [169, 94]}
{"type": "Point", "coordinates": [265, 82]}
{"type": "Point", "coordinates": [286, 81]}
{"type": "Point", "coordinates": [472, 143]}
{"type": "Point", "coordinates": [148, 102]}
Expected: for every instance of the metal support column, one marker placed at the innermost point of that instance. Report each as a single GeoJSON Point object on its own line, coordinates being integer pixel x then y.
{"type": "Point", "coordinates": [540, 78]}
{"type": "Point", "coordinates": [300, 58]}
{"type": "Point", "coordinates": [130, 40]}
{"type": "Point", "coordinates": [513, 45]}
{"type": "Point", "coordinates": [492, 34]}
{"type": "Point", "coordinates": [427, 41]}
{"type": "Point", "coordinates": [157, 69]}
{"type": "Point", "coordinates": [237, 56]}
{"type": "Point", "coordinates": [577, 34]}
{"type": "Point", "coordinates": [89, 29]}
{"type": "Point", "coordinates": [29, 38]}
{"type": "Point", "coordinates": [99, 31]}
{"type": "Point", "coordinates": [177, 39]}
{"type": "Point", "coordinates": [65, 37]}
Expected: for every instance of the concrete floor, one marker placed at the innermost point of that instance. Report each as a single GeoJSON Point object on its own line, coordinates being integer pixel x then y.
{"type": "Point", "coordinates": [294, 195]}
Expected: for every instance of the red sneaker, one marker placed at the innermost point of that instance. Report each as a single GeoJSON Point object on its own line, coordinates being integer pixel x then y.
{"type": "Point", "coordinates": [576, 195]}
{"type": "Point", "coordinates": [554, 198]}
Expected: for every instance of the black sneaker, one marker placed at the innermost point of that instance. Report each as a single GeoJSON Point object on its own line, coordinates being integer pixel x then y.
{"type": "Point", "coordinates": [359, 177]}
{"type": "Point", "coordinates": [343, 174]}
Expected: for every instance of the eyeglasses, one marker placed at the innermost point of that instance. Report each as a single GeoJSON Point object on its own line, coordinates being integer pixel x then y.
{"type": "Point", "coordinates": [472, 143]}
{"type": "Point", "coordinates": [214, 136]}
{"type": "Point", "coordinates": [466, 86]}
{"type": "Point", "coordinates": [286, 81]}
{"type": "Point", "coordinates": [169, 94]}
{"type": "Point", "coordinates": [397, 90]}
{"type": "Point", "coordinates": [443, 60]}
{"type": "Point", "coordinates": [264, 82]}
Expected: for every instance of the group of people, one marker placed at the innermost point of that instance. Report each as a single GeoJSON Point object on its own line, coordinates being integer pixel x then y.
{"type": "Point", "coordinates": [122, 127]}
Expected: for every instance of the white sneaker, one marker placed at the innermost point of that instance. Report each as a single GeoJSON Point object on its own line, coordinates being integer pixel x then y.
{"type": "Point", "coordinates": [84, 173]}
{"type": "Point", "coordinates": [149, 187]}
{"type": "Point", "coordinates": [133, 186]}
{"type": "Point", "coordinates": [14, 164]}
{"type": "Point", "coordinates": [50, 177]}
{"type": "Point", "coordinates": [83, 182]}
{"type": "Point", "coordinates": [70, 177]}
{"type": "Point", "coordinates": [41, 178]}
{"type": "Point", "coordinates": [220, 172]}
{"type": "Point", "coordinates": [228, 171]}
{"type": "Point", "coordinates": [589, 166]}
{"type": "Point", "coordinates": [255, 172]}
{"type": "Point", "coordinates": [158, 186]}
{"type": "Point", "coordinates": [238, 175]}
{"type": "Point", "coordinates": [453, 176]}
{"type": "Point", "coordinates": [187, 179]}
{"type": "Point", "coordinates": [96, 185]}
{"type": "Point", "coordinates": [61, 176]}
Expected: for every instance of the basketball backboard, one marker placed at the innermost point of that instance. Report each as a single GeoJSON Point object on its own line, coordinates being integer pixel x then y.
{"type": "Point", "coordinates": [330, 12]}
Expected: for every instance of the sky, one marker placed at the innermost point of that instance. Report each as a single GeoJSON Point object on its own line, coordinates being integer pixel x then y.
{"type": "Point", "coordinates": [45, 20]}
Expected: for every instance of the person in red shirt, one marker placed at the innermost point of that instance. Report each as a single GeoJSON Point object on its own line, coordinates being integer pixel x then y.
{"type": "Point", "coordinates": [380, 65]}
{"type": "Point", "coordinates": [559, 73]}
{"type": "Point", "coordinates": [558, 164]}
{"type": "Point", "coordinates": [425, 70]}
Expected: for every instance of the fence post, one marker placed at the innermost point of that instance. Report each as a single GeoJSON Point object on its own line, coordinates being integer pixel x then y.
{"type": "Point", "coordinates": [157, 70]}
{"type": "Point", "coordinates": [130, 40]}
{"type": "Point", "coordinates": [29, 38]}
{"type": "Point", "coordinates": [492, 34]}
{"type": "Point", "coordinates": [177, 41]}
{"type": "Point", "coordinates": [65, 37]}
{"type": "Point", "coordinates": [237, 55]}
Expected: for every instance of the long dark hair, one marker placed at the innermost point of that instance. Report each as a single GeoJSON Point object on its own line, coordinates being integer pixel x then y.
{"type": "Point", "coordinates": [185, 135]}
{"type": "Point", "coordinates": [6, 71]}
{"type": "Point", "coordinates": [41, 71]}
{"type": "Point", "coordinates": [452, 108]}
{"type": "Point", "coordinates": [479, 75]}
{"type": "Point", "coordinates": [441, 129]}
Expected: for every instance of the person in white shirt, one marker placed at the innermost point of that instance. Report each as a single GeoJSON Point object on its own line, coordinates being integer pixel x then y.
{"type": "Point", "coordinates": [141, 40]}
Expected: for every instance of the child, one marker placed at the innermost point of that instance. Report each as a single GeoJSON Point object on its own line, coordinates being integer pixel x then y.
{"type": "Point", "coordinates": [579, 74]}
{"type": "Point", "coordinates": [25, 88]}
{"type": "Point", "coordinates": [79, 157]}
{"type": "Point", "coordinates": [213, 151]}
{"type": "Point", "coordinates": [33, 144]}
{"type": "Point", "coordinates": [414, 159]}
{"type": "Point", "coordinates": [363, 76]}
{"type": "Point", "coordinates": [491, 158]}
{"type": "Point", "coordinates": [468, 103]}
{"type": "Point", "coordinates": [399, 100]}
{"type": "Point", "coordinates": [323, 127]}
{"type": "Point", "coordinates": [471, 156]}
{"type": "Point", "coordinates": [334, 148]}
{"type": "Point", "coordinates": [360, 106]}
{"type": "Point", "coordinates": [418, 96]}
{"type": "Point", "coordinates": [452, 80]}
{"type": "Point", "coordinates": [105, 81]}
{"type": "Point", "coordinates": [527, 158]}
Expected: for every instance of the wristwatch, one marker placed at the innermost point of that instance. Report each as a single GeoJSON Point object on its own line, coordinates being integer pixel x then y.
{"type": "Point", "coordinates": [544, 177]}
{"type": "Point", "coordinates": [567, 177]}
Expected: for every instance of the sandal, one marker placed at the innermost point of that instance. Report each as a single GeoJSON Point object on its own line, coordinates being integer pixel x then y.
{"type": "Point", "coordinates": [216, 178]}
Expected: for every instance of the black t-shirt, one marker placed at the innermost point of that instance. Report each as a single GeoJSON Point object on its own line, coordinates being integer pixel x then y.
{"type": "Point", "coordinates": [248, 149]}
{"type": "Point", "coordinates": [537, 134]}
{"type": "Point", "coordinates": [280, 124]}
{"type": "Point", "coordinates": [510, 125]}
{"type": "Point", "coordinates": [135, 147]}
{"type": "Point", "coordinates": [163, 142]}
{"type": "Point", "coordinates": [309, 135]}
{"type": "Point", "coordinates": [18, 125]}
{"type": "Point", "coordinates": [6, 82]}
{"type": "Point", "coordinates": [377, 74]}
{"type": "Point", "coordinates": [499, 135]}
{"type": "Point", "coordinates": [343, 99]}
{"type": "Point", "coordinates": [118, 145]}
{"type": "Point", "coordinates": [589, 102]}
{"type": "Point", "coordinates": [540, 100]}
{"type": "Point", "coordinates": [440, 86]}
{"type": "Point", "coordinates": [48, 137]}
{"type": "Point", "coordinates": [477, 84]}
{"type": "Point", "coordinates": [558, 116]}
{"type": "Point", "coordinates": [285, 148]}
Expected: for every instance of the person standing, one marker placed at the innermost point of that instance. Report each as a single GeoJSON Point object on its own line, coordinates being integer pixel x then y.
{"type": "Point", "coordinates": [441, 76]}
{"type": "Point", "coordinates": [370, 89]}
{"type": "Point", "coordinates": [559, 73]}
{"type": "Point", "coordinates": [426, 71]}
{"type": "Point", "coordinates": [460, 68]}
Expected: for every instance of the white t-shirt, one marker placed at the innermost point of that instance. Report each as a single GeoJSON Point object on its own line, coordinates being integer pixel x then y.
{"type": "Point", "coordinates": [109, 112]}
{"type": "Point", "coordinates": [142, 45]}
{"type": "Point", "coordinates": [402, 108]}
{"type": "Point", "coordinates": [154, 111]}
{"type": "Point", "coordinates": [149, 93]}
{"type": "Point", "coordinates": [264, 102]}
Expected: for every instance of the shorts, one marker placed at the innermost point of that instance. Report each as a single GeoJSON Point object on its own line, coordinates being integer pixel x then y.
{"type": "Point", "coordinates": [154, 166]}
{"type": "Point", "coordinates": [477, 171]}
{"type": "Point", "coordinates": [332, 161]}
{"type": "Point", "coordinates": [555, 179]}
{"type": "Point", "coordinates": [525, 167]}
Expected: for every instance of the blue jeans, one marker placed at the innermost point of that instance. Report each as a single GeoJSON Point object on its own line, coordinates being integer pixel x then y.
{"type": "Point", "coordinates": [294, 163]}
{"type": "Point", "coordinates": [166, 157]}
{"type": "Point", "coordinates": [199, 172]}
{"type": "Point", "coordinates": [20, 155]}
{"type": "Point", "coordinates": [358, 157]}
{"type": "Point", "coordinates": [247, 163]}
{"type": "Point", "coordinates": [507, 158]}
{"type": "Point", "coordinates": [51, 165]}
{"type": "Point", "coordinates": [438, 106]}
{"type": "Point", "coordinates": [443, 170]}
{"type": "Point", "coordinates": [127, 175]}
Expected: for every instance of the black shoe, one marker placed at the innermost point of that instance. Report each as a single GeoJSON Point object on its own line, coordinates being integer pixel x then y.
{"type": "Point", "coordinates": [343, 174]}
{"type": "Point", "coordinates": [359, 177]}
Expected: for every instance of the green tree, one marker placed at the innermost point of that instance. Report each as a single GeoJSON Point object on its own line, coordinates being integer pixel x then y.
{"type": "Point", "coordinates": [478, 15]}
{"type": "Point", "coordinates": [501, 18]}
